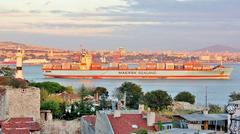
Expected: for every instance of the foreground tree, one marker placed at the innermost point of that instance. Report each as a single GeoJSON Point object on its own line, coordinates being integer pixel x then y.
{"type": "Point", "coordinates": [185, 97]}
{"type": "Point", "coordinates": [234, 96]}
{"type": "Point", "coordinates": [133, 94]}
{"type": "Point", "coordinates": [53, 106]}
{"type": "Point", "coordinates": [100, 91]}
{"type": "Point", "coordinates": [84, 92]}
{"type": "Point", "coordinates": [157, 100]}
{"type": "Point", "coordinates": [141, 131]}
{"type": "Point", "coordinates": [51, 87]}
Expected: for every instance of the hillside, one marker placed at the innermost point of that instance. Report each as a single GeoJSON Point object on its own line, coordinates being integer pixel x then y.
{"type": "Point", "coordinates": [14, 46]}
{"type": "Point", "coordinates": [219, 48]}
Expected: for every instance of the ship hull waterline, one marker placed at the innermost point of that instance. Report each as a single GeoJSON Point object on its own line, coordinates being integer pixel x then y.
{"type": "Point", "coordinates": [217, 74]}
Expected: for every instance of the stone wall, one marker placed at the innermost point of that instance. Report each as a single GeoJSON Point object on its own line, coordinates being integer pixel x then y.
{"type": "Point", "coordinates": [22, 102]}
{"type": "Point", "coordinates": [61, 127]}
{"type": "Point", "coordinates": [2, 104]}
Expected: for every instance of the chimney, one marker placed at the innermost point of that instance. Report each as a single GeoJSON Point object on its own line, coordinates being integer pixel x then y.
{"type": "Point", "coordinates": [140, 108]}
{"type": "Point", "coordinates": [150, 118]}
{"type": "Point", "coordinates": [205, 111]}
{"type": "Point", "coordinates": [96, 97]}
{"type": "Point", "coordinates": [116, 114]}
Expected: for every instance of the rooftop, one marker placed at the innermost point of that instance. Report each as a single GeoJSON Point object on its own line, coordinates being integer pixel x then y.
{"type": "Point", "coordinates": [186, 131]}
{"type": "Point", "coordinates": [124, 124]}
{"type": "Point", "coordinates": [203, 117]}
{"type": "Point", "coordinates": [91, 119]}
{"type": "Point", "coordinates": [19, 126]}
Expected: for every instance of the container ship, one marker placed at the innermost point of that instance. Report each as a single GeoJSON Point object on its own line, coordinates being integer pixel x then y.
{"type": "Point", "coordinates": [87, 69]}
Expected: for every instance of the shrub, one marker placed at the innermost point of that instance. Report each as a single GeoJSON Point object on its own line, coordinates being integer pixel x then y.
{"type": "Point", "coordinates": [53, 106]}
{"type": "Point", "coordinates": [234, 96]}
{"type": "Point", "coordinates": [215, 108]}
{"type": "Point", "coordinates": [51, 87]}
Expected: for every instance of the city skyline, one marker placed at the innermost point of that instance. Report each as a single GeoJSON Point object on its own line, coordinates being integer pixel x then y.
{"type": "Point", "coordinates": [136, 25]}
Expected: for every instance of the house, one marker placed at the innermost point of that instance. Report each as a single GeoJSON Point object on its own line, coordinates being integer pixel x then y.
{"type": "Point", "coordinates": [123, 122]}
{"type": "Point", "coordinates": [199, 121]}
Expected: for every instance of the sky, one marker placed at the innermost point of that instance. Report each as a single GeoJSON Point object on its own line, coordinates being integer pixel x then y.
{"type": "Point", "coordinates": [133, 24]}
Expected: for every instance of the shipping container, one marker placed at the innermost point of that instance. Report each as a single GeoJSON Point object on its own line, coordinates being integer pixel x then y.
{"type": "Point", "coordinates": [104, 66]}
{"type": "Point", "coordinates": [132, 66]}
{"type": "Point", "coordinates": [161, 66]}
{"type": "Point", "coordinates": [113, 65]}
{"type": "Point", "coordinates": [188, 66]}
{"type": "Point", "coordinates": [170, 66]}
{"type": "Point", "coordinates": [206, 67]}
{"type": "Point", "coordinates": [151, 66]}
{"type": "Point", "coordinates": [75, 66]}
{"type": "Point", "coordinates": [66, 66]}
{"type": "Point", "coordinates": [57, 67]}
{"type": "Point", "coordinates": [197, 67]}
{"type": "Point", "coordinates": [142, 66]}
{"type": "Point", "coordinates": [47, 66]}
{"type": "Point", "coordinates": [123, 66]}
{"type": "Point", "coordinates": [178, 66]}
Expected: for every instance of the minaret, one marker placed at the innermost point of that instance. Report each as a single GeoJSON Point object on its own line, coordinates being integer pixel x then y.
{"type": "Point", "coordinates": [19, 62]}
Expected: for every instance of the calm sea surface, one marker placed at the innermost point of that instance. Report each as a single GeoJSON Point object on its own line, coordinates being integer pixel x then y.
{"type": "Point", "coordinates": [218, 90]}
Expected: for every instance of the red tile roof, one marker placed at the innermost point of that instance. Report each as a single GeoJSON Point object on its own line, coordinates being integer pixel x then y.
{"type": "Point", "coordinates": [123, 124]}
{"type": "Point", "coordinates": [17, 131]}
{"type": "Point", "coordinates": [90, 119]}
{"type": "Point", "coordinates": [162, 119]}
{"type": "Point", "coordinates": [20, 126]}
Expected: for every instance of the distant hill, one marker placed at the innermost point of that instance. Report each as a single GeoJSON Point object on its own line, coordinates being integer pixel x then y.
{"type": "Point", "coordinates": [219, 48]}
{"type": "Point", "coordinates": [13, 46]}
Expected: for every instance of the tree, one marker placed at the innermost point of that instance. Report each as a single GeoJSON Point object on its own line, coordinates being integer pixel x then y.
{"type": "Point", "coordinates": [100, 91]}
{"type": "Point", "coordinates": [234, 96]}
{"type": "Point", "coordinates": [84, 91]}
{"type": "Point", "coordinates": [18, 83]}
{"type": "Point", "coordinates": [158, 99]}
{"type": "Point", "coordinates": [141, 131]}
{"type": "Point", "coordinates": [43, 94]}
{"type": "Point", "coordinates": [185, 97]}
{"type": "Point", "coordinates": [215, 108]}
{"type": "Point", "coordinates": [51, 87]}
{"type": "Point", "coordinates": [133, 94]}
{"type": "Point", "coordinates": [53, 106]}
{"type": "Point", "coordinates": [69, 89]}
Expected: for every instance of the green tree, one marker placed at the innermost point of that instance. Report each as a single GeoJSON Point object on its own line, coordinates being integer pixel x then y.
{"type": "Point", "coordinates": [18, 83]}
{"type": "Point", "coordinates": [158, 99]}
{"type": "Point", "coordinates": [185, 97]}
{"type": "Point", "coordinates": [133, 94]}
{"type": "Point", "coordinates": [53, 106]}
{"type": "Point", "coordinates": [100, 90]}
{"type": "Point", "coordinates": [234, 96]}
{"type": "Point", "coordinates": [84, 91]}
{"type": "Point", "coordinates": [69, 89]}
{"type": "Point", "coordinates": [7, 71]}
{"type": "Point", "coordinates": [215, 108]}
{"type": "Point", "coordinates": [43, 94]}
{"type": "Point", "coordinates": [51, 87]}
{"type": "Point", "coordinates": [141, 131]}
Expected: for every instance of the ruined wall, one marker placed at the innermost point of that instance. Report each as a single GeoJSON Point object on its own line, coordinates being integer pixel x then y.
{"type": "Point", "coordinates": [23, 102]}
{"type": "Point", "coordinates": [61, 127]}
{"type": "Point", "coordinates": [2, 104]}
